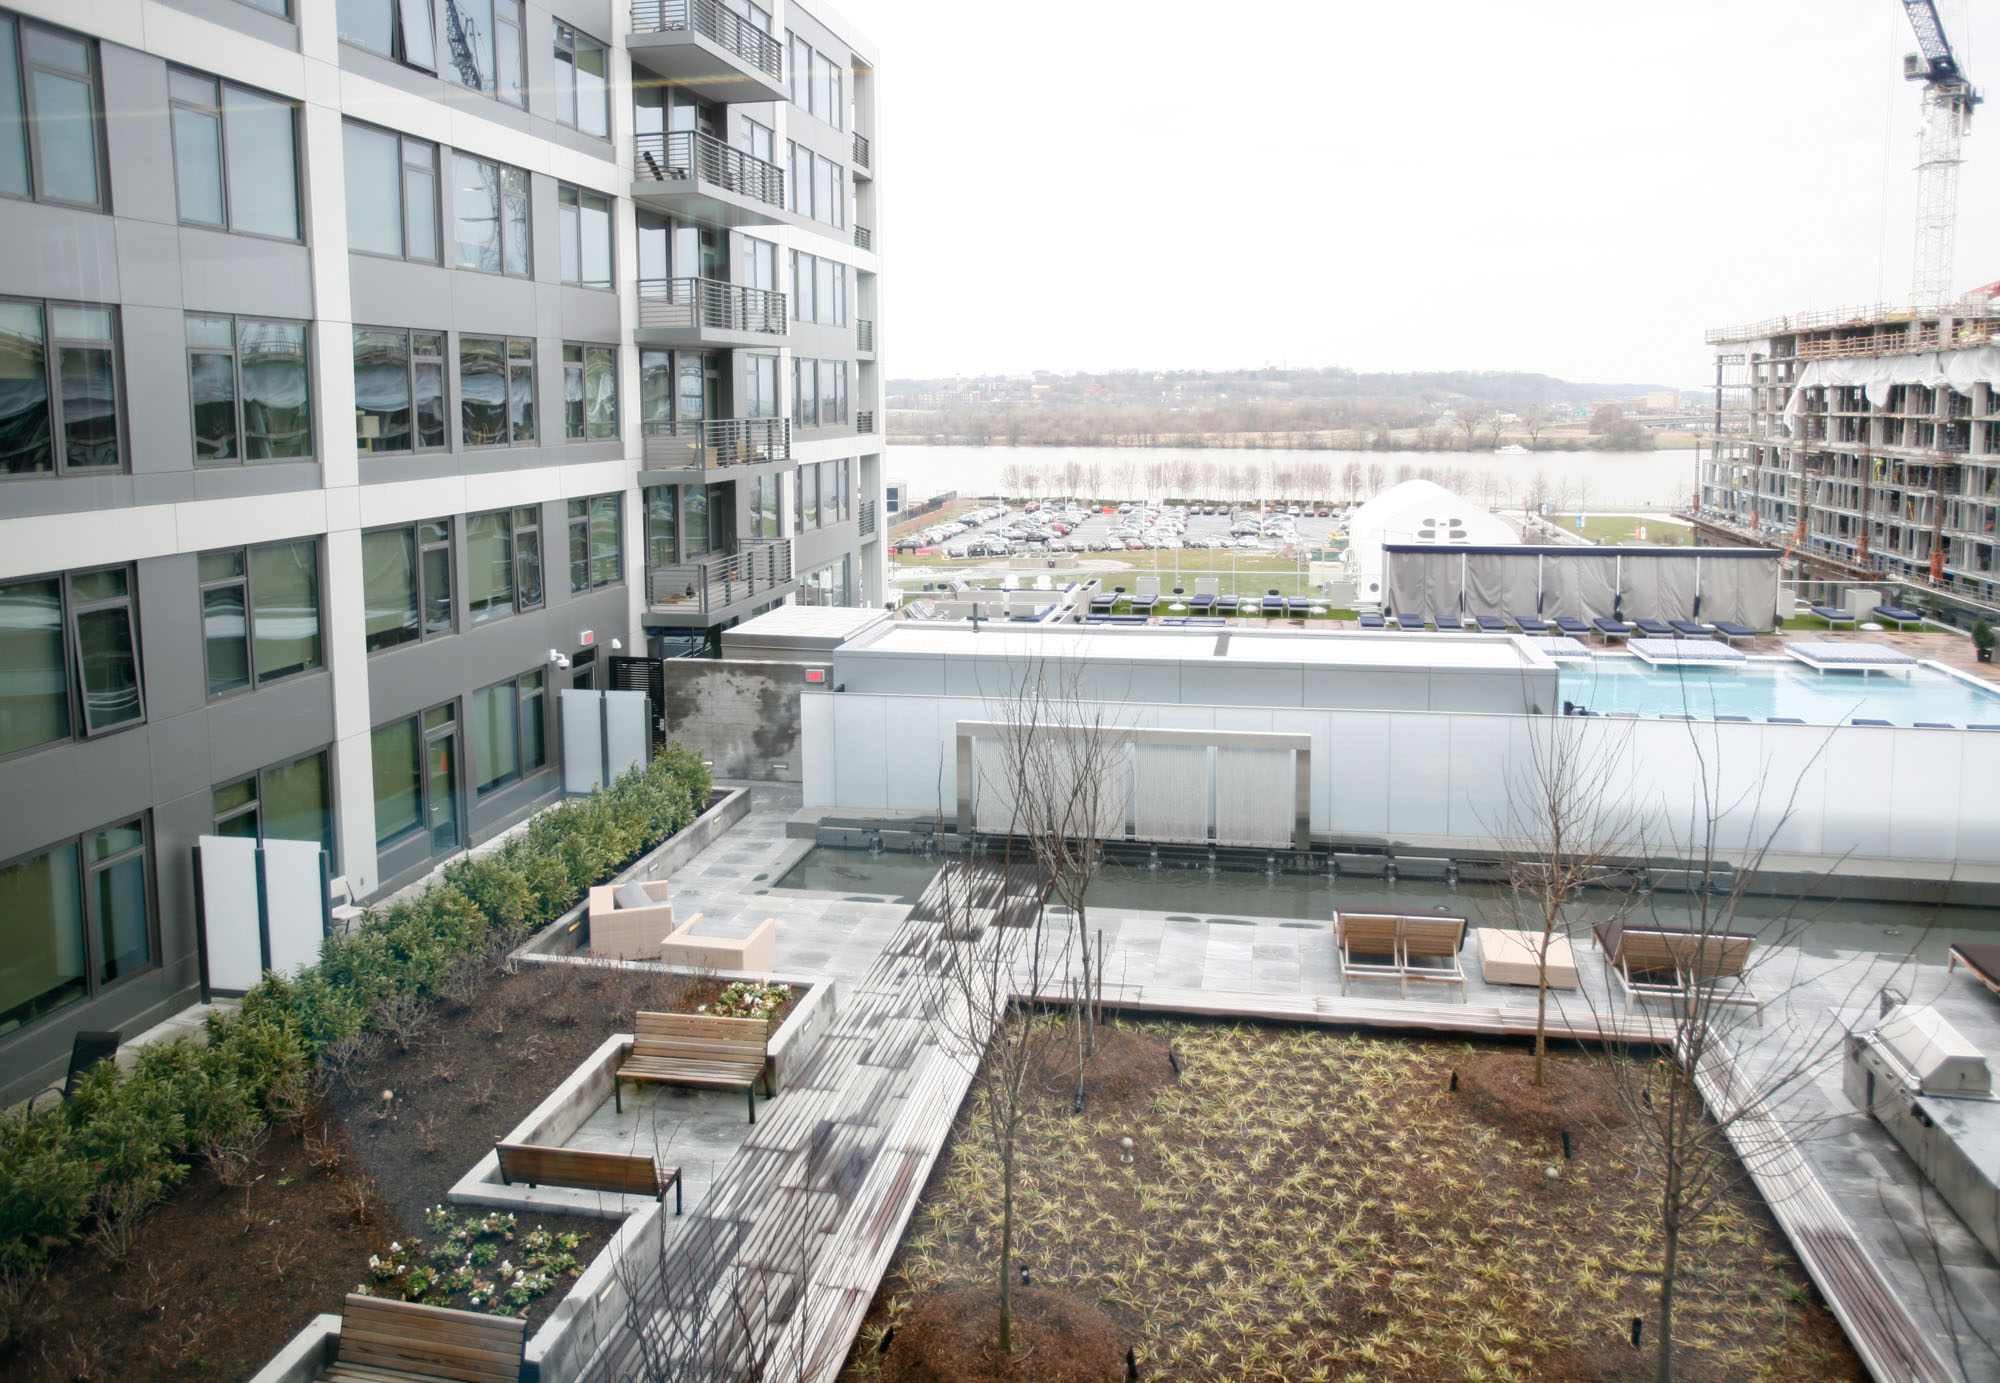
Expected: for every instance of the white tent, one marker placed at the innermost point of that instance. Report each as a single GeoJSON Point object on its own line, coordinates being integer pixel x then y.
{"type": "Point", "coordinates": [1416, 511]}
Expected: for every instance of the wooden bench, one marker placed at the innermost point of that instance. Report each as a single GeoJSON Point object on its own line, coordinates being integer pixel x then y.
{"type": "Point", "coordinates": [629, 1174]}
{"type": "Point", "coordinates": [1401, 946]}
{"type": "Point", "coordinates": [699, 1050]}
{"type": "Point", "coordinates": [384, 1341]}
{"type": "Point", "coordinates": [1678, 965]}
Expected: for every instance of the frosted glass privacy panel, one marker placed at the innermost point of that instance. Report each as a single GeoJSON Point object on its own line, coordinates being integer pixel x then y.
{"type": "Point", "coordinates": [993, 804]}
{"type": "Point", "coordinates": [582, 740]}
{"type": "Point", "coordinates": [625, 725]}
{"type": "Point", "coordinates": [1255, 796]}
{"type": "Point", "coordinates": [294, 902]}
{"type": "Point", "coordinates": [230, 937]}
{"type": "Point", "coordinates": [1171, 794]}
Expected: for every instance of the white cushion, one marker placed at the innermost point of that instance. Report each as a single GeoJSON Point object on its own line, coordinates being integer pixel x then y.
{"type": "Point", "coordinates": [633, 895]}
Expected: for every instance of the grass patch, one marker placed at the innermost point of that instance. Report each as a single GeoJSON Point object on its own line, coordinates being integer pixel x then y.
{"type": "Point", "coordinates": [1623, 528]}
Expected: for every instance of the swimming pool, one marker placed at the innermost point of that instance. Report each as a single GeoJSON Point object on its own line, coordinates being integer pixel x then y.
{"type": "Point", "coordinates": [1762, 689]}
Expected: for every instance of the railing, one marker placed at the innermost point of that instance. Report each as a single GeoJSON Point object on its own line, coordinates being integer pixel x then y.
{"type": "Point", "coordinates": [714, 443]}
{"type": "Point", "coordinates": [864, 239]}
{"type": "Point", "coordinates": [864, 333]}
{"type": "Point", "coordinates": [761, 567]}
{"type": "Point", "coordinates": [863, 154]}
{"type": "Point", "coordinates": [864, 421]}
{"type": "Point", "coordinates": [867, 519]}
{"type": "Point", "coordinates": [714, 22]}
{"type": "Point", "coordinates": [693, 303]}
{"type": "Point", "coordinates": [682, 154]}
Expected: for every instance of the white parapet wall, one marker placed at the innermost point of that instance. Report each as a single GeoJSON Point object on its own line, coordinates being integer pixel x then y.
{"type": "Point", "coordinates": [1854, 799]}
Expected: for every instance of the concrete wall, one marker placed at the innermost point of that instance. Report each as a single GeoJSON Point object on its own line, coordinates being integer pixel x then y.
{"type": "Point", "coordinates": [742, 716]}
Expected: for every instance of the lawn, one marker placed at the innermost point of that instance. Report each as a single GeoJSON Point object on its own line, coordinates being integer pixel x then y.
{"type": "Point", "coordinates": [1623, 528]}
{"type": "Point", "coordinates": [1305, 1205]}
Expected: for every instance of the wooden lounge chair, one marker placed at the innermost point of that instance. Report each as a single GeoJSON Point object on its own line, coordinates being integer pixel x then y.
{"type": "Point", "coordinates": [1650, 963]}
{"type": "Point", "coordinates": [1401, 947]}
{"type": "Point", "coordinates": [384, 1341]}
{"type": "Point", "coordinates": [699, 1050]}
{"type": "Point", "coordinates": [1370, 947]}
{"type": "Point", "coordinates": [1982, 958]}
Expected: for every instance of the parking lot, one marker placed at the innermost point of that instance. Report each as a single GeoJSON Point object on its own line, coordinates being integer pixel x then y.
{"type": "Point", "coordinates": [1001, 531]}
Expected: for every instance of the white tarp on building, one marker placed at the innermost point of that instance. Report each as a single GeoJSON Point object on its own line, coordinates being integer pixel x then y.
{"type": "Point", "coordinates": [1878, 374]}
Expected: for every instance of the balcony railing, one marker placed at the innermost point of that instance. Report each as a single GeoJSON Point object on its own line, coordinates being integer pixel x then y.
{"type": "Point", "coordinates": [761, 567]}
{"type": "Point", "coordinates": [864, 239]}
{"type": "Point", "coordinates": [867, 519]}
{"type": "Point", "coordinates": [712, 304]}
{"type": "Point", "coordinates": [714, 22]}
{"type": "Point", "coordinates": [864, 156]}
{"type": "Point", "coordinates": [864, 421]}
{"type": "Point", "coordinates": [716, 443]}
{"type": "Point", "coordinates": [682, 154]}
{"type": "Point", "coordinates": [864, 333]}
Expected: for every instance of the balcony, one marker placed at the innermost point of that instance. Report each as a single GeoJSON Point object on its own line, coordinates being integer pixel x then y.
{"type": "Point", "coordinates": [864, 421]}
{"type": "Point", "coordinates": [864, 156]}
{"type": "Point", "coordinates": [707, 313]}
{"type": "Point", "coordinates": [715, 444]}
{"type": "Point", "coordinates": [699, 178]}
{"type": "Point", "coordinates": [704, 48]}
{"type": "Point", "coordinates": [864, 239]}
{"type": "Point", "coordinates": [864, 335]}
{"type": "Point", "coordinates": [720, 587]}
{"type": "Point", "coordinates": [867, 518]}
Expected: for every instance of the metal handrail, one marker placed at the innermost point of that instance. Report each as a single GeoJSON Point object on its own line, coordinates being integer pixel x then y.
{"type": "Point", "coordinates": [759, 567]}
{"type": "Point", "coordinates": [711, 303]}
{"type": "Point", "coordinates": [864, 421]}
{"type": "Point", "coordinates": [864, 333]}
{"type": "Point", "coordinates": [681, 154]}
{"type": "Point", "coordinates": [864, 239]}
{"type": "Point", "coordinates": [863, 153]}
{"type": "Point", "coordinates": [715, 22]}
{"type": "Point", "coordinates": [715, 443]}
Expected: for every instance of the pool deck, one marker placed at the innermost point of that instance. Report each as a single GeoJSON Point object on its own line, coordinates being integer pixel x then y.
{"type": "Point", "coordinates": [1945, 1281]}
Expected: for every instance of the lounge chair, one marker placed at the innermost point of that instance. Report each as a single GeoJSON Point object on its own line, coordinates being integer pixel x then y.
{"type": "Point", "coordinates": [1832, 616]}
{"type": "Point", "coordinates": [1744, 719]}
{"type": "Point", "coordinates": [1103, 603]}
{"type": "Point", "coordinates": [1784, 720]}
{"type": "Point", "coordinates": [1669, 963]}
{"type": "Point", "coordinates": [1203, 603]}
{"type": "Point", "coordinates": [1531, 624]}
{"type": "Point", "coordinates": [1272, 606]}
{"type": "Point", "coordinates": [1869, 720]}
{"type": "Point", "coordinates": [1898, 616]}
{"type": "Point", "coordinates": [1490, 624]}
{"type": "Point", "coordinates": [1227, 604]}
{"type": "Point", "coordinates": [1732, 631]}
{"type": "Point", "coordinates": [1653, 628]}
{"type": "Point", "coordinates": [1982, 958]}
{"type": "Point", "coordinates": [1575, 628]}
{"type": "Point", "coordinates": [1373, 622]}
{"type": "Point", "coordinates": [1692, 629]}
{"type": "Point", "coordinates": [1298, 606]}
{"type": "Point", "coordinates": [1935, 725]}
{"type": "Point", "coordinates": [1143, 604]}
{"type": "Point", "coordinates": [1403, 947]}
{"type": "Point", "coordinates": [1983, 727]}
{"type": "Point", "coordinates": [1612, 628]}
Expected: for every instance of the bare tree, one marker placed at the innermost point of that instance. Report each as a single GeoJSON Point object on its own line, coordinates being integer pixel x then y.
{"type": "Point", "coordinates": [1350, 481]}
{"type": "Point", "coordinates": [1537, 419]}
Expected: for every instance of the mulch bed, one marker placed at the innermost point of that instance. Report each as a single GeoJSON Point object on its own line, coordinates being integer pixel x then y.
{"type": "Point", "coordinates": [1058, 1338]}
{"type": "Point", "coordinates": [214, 1281]}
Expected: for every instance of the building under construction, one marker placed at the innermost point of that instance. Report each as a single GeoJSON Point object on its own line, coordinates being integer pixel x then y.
{"type": "Point", "coordinates": [1866, 443]}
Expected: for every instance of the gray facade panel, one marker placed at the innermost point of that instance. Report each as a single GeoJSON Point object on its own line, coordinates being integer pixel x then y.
{"type": "Point", "coordinates": [221, 272]}
{"type": "Point", "coordinates": [255, 478]}
{"type": "Point", "coordinates": [68, 495]}
{"type": "Point", "coordinates": [398, 293]}
{"type": "Point", "coordinates": [156, 390]}
{"type": "Point", "coordinates": [149, 263]}
{"type": "Point", "coordinates": [138, 139]}
{"type": "Point", "coordinates": [494, 305]}
{"type": "Point", "coordinates": [182, 754]}
{"type": "Point", "coordinates": [57, 252]}
{"type": "Point", "coordinates": [273, 725]}
{"type": "Point", "coordinates": [172, 658]}
{"type": "Point", "coordinates": [583, 314]}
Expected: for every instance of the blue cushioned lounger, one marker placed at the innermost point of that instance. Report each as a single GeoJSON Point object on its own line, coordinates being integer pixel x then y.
{"type": "Point", "coordinates": [1532, 624]}
{"type": "Point", "coordinates": [1831, 615]}
{"type": "Point", "coordinates": [1676, 717]}
{"type": "Point", "coordinates": [1205, 621]}
{"type": "Point", "coordinates": [1733, 631]}
{"type": "Point", "coordinates": [1862, 720]}
{"type": "Point", "coordinates": [1145, 602]}
{"type": "Point", "coordinates": [1786, 720]}
{"type": "Point", "coordinates": [1742, 718]}
{"type": "Point", "coordinates": [1623, 715]}
{"type": "Point", "coordinates": [1691, 628]}
{"type": "Point", "coordinates": [1653, 628]}
{"type": "Point", "coordinates": [1575, 628]}
{"type": "Point", "coordinates": [1491, 624]}
{"type": "Point", "coordinates": [1373, 622]}
{"type": "Point", "coordinates": [1298, 605]}
{"type": "Point", "coordinates": [1612, 628]}
{"type": "Point", "coordinates": [1273, 604]}
{"type": "Point", "coordinates": [1897, 615]}
{"type": "Point", "coordinates": [1983, 727]}
{"type": "Point", "coordinates": [1103, 602]}
{"type": "Point", "coordinates": [1228, 603]}
{"type": "Point", "coordinates": [1934, 725]}
{"type": "Point", "coordinates": [1202, 602]}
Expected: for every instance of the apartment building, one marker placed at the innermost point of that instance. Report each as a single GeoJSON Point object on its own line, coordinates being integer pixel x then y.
{"type": "Point", "coordinates": [370, 372]}
{"type": "Point", "coordinates": [1866, 442]}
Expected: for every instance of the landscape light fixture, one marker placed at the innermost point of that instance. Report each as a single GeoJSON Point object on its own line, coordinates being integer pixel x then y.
{"type": "Point", "coordinates": [1125, 1150]}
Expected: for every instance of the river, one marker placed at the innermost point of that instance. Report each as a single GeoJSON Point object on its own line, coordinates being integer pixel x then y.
{"type": "Point", "coordinates": [1585, 479]}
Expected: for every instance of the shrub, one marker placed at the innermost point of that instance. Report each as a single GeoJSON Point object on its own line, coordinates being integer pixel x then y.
{"type": "Point", "coordinates": [124, 1139]}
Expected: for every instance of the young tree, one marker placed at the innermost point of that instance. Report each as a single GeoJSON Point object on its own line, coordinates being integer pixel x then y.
{"type": "Point", "coordinates": [1537, 419]}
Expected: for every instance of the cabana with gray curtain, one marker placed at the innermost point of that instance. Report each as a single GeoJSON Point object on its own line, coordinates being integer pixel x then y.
{"type": "Point", "coordinates": [1716, 583]}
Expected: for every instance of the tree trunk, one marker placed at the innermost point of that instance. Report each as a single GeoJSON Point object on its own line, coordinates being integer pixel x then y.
{"type": "Point", "coordinates": [1663, 1364]}
{"type": "Point", "coordinates": [1007, 1248]}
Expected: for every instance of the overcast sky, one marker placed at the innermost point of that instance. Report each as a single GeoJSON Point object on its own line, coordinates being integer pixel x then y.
{"type": "Point", "coordinates": [1572, 186]}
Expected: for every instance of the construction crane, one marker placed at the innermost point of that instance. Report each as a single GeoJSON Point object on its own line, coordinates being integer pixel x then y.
{"type": "Point", "coordinates": [1948, 102]}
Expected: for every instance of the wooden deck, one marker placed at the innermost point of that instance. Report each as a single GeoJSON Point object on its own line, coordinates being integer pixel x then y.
{"type": "Point", "coordinates": [773, 1272]}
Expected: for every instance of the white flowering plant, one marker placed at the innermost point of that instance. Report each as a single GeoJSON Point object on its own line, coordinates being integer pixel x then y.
{"type": "Point", "coordinates": [478, 1262]}
{"type": "Point", "coordinates": [749, 999]}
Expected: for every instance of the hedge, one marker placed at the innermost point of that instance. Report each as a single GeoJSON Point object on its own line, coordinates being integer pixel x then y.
{"type": "Point", "coordinates": [127, 1138]}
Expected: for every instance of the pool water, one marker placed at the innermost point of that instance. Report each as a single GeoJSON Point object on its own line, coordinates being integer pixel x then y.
{"type": "Point", "coordinates": [892, 874]}
{"type": "Point", "coordinates": [1761, 689]}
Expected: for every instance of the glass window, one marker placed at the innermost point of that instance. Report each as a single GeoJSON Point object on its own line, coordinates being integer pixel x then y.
{"type": "Point", "coordinates": [808, 497]}
{"type": "Point", "coordinates": [398, 766]}
{"type": "Point", "coordinates": [823, 298]}
{"type": "Point", "coordinates": [760, 382]}
{"type": "Point", "coordinates": [406, 584]}
{"type": "Point", "coordinates": [58, 389]}
{"type": "Point", "coordinates": [237, 810]}
{"type": "Point", "coordinates": [510, 55]}
{"type": "Point", "coordinates": [496, 737]}
{"type": "Point", "coordinates": [225, 630]}
{"type": "Point", "coordinates": [534, 706]}
{"type": "Point", "coordinates": [284, 608]}
{"type": "Point", "coordinates": [427, 369]}
{"type": "Point", "coordinates": [284, 802]}
{"type": "Point", "coordinates": [799, 75]}
{"type": "Point", "coordinates": [583, 97]}
{"type": "Point", "coordinates": [35, 693]}
{"type": "Point", "coordinates": [694, 521]}
{"type": "Point", "coordinates": [573, 423]}
{"type": "Point", "coordinates": [472, 55]}
{"type": "Point", "coordinates": [514, 221]}
{"type": "Point", "coordinates": [234, 149]}
{"type": "Point", "coordinates": [49, 109]}
{"type": "Point", "coordinates": [104, 635]}
{"type": "Point", "coordinates": [521, 390]}
{"type": "Point", "coordinates": [590, 392]}
{"type": "Point", "coordinates": [490, 217]}
{"type": "Point", "coordinates": [805, 394]}
{"type": "Point", "coordinates": [503, 563]}
{"type": "Point", "coordinates": [72, 919]}
{"type": "Point", "coordinates": [596, 556]}
{"type": "Point", "coordinates": [401, 29]}
{"type": "Point", "coordinates": [662, 545]}
{"type": "Point", "coordinates": [764, 507]}
{"type": "Point", "coordinates": [391, 193]}
{"type": "Point", "coordinates": [583, 220]}
{"type": "Point", "coordinates": [382, 391]}
{"type": "Point", "coordinates": [822, 85]}
{"type": "Point", "coordinates": [496, 390]}
{"type": "Point", "coordinates": [249, 379]}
